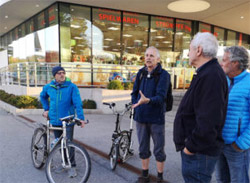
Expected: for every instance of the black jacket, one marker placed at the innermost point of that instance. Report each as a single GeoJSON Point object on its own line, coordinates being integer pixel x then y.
{"type": "Point", "coordinates": [201, 115]}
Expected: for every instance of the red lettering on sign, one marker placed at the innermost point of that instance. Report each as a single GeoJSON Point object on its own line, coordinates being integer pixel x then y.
{"type": "Point", "coordinates": [113, 18]}
{"type": "Point", "coordinates": [51, 18]}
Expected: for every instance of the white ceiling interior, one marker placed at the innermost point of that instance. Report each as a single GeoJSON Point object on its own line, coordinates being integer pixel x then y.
{"type": "Point", "coordinates": [223, 13]}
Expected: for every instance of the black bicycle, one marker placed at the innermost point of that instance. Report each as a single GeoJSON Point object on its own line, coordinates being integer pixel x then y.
{"type": "Point", "coordinates": [63, 157]}
{"type": "Point", "coordinates": [121, 148]}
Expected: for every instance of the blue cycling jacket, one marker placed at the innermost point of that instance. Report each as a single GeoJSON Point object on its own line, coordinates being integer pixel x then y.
{"type": "Point", "coordinates": [61, 101]}
{"type": "Point", "coordinates": [237, 125]}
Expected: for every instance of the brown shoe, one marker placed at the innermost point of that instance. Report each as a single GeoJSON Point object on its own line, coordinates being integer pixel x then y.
{"type": "Point", "coordinates": [143, 180]}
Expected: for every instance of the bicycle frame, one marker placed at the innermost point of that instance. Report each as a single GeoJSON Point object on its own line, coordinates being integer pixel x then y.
{"type": "Point", "coordinates": [62, 139]}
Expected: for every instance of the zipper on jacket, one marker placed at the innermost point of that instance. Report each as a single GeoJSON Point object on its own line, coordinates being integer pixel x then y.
{"type": "Point", "coordinates": [57, 106]}
{"type": "Point", "coordinates": [238, 134]}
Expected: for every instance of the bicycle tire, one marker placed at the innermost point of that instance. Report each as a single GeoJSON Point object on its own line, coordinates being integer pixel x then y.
{"type": "Point", "coordinates": [54, 162]}
{"type": "Point", "coordinates": [114, 154]}
{"type": "Point", "coordinates": [38, 148]}
{"type": "Point", "coordinates": [123, 145]}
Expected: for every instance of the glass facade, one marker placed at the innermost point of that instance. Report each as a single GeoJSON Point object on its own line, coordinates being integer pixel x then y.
{"type": "Point", "coordinates": [97, 45]}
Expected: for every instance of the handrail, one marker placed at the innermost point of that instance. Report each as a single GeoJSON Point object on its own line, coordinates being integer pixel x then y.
{"type": "Point", "coordinates": [36, 74]}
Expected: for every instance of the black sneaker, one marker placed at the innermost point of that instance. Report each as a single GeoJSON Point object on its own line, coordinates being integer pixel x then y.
{"type": "Point", "coordinates": [143, 179]}
{"type": "Point", "coordinates": [160, 180]}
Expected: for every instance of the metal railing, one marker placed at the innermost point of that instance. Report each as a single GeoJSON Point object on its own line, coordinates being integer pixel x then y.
{"type": "Point", "coordinates": [36, 74]}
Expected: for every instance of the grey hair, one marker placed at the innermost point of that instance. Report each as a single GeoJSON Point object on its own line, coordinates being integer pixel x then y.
{"type": "Point", "coordinates": [208, 42]}
{"type": "Point", "coordinates": [240, 54]}
{"type": "Point", "coordinates": [156, 51]}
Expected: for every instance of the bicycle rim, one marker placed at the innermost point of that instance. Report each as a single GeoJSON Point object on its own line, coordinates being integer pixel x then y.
{"type": "Point", "coordinates": [57, 174]}
{"type": "Point", "coordinates": [38, 148]}
{"type": "Point", "coordinates": [114, 157]}
{"type": "Point", "coordinates": [123, 146]}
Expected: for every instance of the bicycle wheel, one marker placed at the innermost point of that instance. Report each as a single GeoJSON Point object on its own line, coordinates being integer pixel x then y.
{"type": "Point", "coordinates": [38, 148]}
{"type": "Point", "coordinates": [80, 161]}
{"type": "Point", "coordinates": [123, 145]}
{"type": "Point", "coordinates": [114, 156]}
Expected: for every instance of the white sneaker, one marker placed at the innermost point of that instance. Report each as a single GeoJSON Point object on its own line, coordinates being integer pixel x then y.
{"type": "Point", "coordinates": [59, 169]}
{"type": "Point", "coordinates": [72, 172]}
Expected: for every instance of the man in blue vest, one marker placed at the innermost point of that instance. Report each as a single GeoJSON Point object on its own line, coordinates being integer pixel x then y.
{"type": "Point", "coordinates": [233, 164]}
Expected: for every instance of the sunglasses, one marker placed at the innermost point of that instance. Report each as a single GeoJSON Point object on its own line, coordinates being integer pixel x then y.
{"type": "Point", "coordinates": [59, 73]}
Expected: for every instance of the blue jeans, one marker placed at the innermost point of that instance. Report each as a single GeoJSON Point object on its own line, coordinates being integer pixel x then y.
{"type": "Point", "coordinates": [197, 168]}
{"type": "Point", "coordinates": [69, 134]}
{"type": "Point", "coordinates": [233, 166]}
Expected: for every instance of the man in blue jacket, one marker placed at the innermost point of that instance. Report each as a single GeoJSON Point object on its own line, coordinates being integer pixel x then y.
{"type": "Point", "coordinates": [61, 98]}
{"type": "Point", "coordinates": [148, 95]}
{"type": "Point", "coordinates": [233, 164]}
{"type": "Point", "coordinates": [201, 114]}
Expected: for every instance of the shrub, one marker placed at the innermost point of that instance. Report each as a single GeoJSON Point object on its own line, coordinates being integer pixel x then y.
{"type": "Point", "coordinates": [89, 104]}
{"type": "Point", "coordinates": [128, 85]}
{"type": "Point", "coordinates": [115, 85]}
{"type": "Point", "coordinates": [24, 102]}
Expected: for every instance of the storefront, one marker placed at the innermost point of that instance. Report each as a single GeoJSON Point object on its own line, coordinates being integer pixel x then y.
{"type": "Point", "coordinates": [96, 45]}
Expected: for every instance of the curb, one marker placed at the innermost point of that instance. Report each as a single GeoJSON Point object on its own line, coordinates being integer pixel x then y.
{"type": "Point", "coordinates": [16, 111]}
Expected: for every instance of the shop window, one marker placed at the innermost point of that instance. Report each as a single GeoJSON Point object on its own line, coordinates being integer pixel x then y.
{"type": "Point", "coordinates": [204, 27]}
{"type": "Point", "coordinates": [182, 71]}
{"type": "Point", "coordinates": [106, 36]}
{"type": "Point", "coordinates": [161, 37]}
{"type": "Point", "coordinates": [182, 41]}
{"type": "Point", "coordinates": [106, 45]}
{"type": "Point", "coordinates": [52, 36]}
{"type": "Point", "coordinates": [219, 34]}
{"type": "Point", "coordinates": [231, 38]}
{"type": "Point", "coordinates": [75, 33]}
{"type": "Point", "coordinates": [134, 38]}
{"type": "Point", "coordinates": [243, 41]}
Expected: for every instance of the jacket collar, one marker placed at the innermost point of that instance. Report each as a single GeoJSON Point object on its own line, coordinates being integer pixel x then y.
{"type": "Point", "coordinates": [156, 70]}
{"type": "Point", "coordinates": [65, 84]}
{"type": "Point", "coordinates": [239, 77]}
{"type": "Point", "coordinates": [212, 61]}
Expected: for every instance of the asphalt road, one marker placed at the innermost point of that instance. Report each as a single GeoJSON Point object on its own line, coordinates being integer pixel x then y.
{"type": "Point", "coordinates": [15, 160]}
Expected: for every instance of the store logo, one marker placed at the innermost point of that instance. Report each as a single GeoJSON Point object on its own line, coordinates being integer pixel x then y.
{"type": "Point", "coordinates": [113, 18]}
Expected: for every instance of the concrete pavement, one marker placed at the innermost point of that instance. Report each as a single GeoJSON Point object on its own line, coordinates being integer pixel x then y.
{"type": "Point", "coordinates": [97, 135]}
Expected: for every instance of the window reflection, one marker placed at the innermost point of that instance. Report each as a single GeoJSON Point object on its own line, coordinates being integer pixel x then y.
{"type": "Point", "coordinates": [161, 36]}
{"type": "Point", "coordinates": [106, 36]}
{"type": "Point", "coordinates": [182, 41]}
{"type": "Point", "coordinates": [135, 38]}
{"type": "Point", "coordinates": [219, 33]}
{"type": "Point", "coordinates": [204, 27]}
{"type": "Point", "coordinates": [75, 34]}
{"type": "Point", "coordinates": [182, 72]}
{"type": "Point", "coordinates": [231, 38]}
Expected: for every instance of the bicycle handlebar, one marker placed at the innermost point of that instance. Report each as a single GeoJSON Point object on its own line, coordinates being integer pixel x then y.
{"type": "Point", "coordinates": [112, 107]}
{"type": "Point", "coordinates": [70, 119]}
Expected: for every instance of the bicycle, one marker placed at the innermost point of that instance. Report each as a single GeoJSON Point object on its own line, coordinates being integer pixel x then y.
{"type": "Point", "coordinates": [121, 148]}
{"type": "Point", "coordinates": [63, 156]}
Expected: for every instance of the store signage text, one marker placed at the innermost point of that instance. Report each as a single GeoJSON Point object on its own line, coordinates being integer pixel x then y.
{"type": "Point", "coordinates": [164, 24]}
{"type": "Point", "coordinates": [113, 18]}
{"type": "Point", "coordinates": [183, 27]}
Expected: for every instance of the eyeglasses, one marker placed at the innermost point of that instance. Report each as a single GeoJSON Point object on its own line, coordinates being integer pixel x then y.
{"type": "Point", "coordinates": [59, 73]}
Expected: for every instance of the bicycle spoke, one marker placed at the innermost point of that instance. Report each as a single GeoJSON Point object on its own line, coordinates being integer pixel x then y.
{"type": "Point", "coordinates": [79, 160]}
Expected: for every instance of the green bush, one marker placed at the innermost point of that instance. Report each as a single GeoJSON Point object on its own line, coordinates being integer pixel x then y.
{"type": "Point", "coordinates": [89, 104]}
{"type": "Point", "coordinates": [23, 102]}
{"type": "Point", "coordinates": [128, 85]}
{"type": "Point", "coordinates": [115, 85]}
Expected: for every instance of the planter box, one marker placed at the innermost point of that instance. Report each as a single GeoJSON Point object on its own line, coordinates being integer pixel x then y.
{"type": "Point", "coordinates": [15, 111]}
